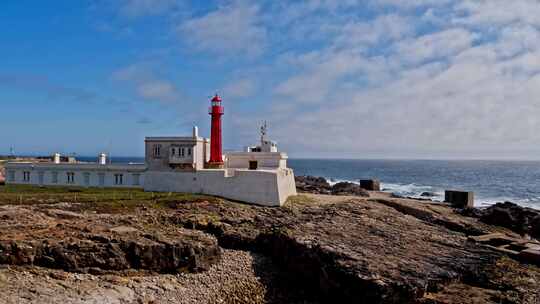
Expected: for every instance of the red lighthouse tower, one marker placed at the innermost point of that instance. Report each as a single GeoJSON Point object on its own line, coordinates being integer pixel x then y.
{"type": "Point", "coordinates": [216, 111]}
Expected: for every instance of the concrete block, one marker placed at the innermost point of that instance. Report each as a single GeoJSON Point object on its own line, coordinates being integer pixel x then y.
{"type": "Point", "coordinates": [459, 199]}
{"type": "Point", "coordinates": [370, 184]}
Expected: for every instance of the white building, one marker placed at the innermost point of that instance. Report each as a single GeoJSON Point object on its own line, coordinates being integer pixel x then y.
{"type": "Point", "coordinates": [174, 164]}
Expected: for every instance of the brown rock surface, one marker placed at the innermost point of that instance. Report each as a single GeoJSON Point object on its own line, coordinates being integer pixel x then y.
{"type": "Point", "coordinates": [318, 248]}
{"type": "Point", "coordinates": [357, 250]}
{"type": "Point", "coordinates": [74, 242]}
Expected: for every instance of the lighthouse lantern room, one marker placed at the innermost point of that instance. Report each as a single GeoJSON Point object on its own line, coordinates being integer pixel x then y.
{"type": "Point", "coordinates": [216, 150]}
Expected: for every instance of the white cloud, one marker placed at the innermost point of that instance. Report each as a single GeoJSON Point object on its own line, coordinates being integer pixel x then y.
{"type": "Point", "coordinates": [316, 81]}
{"type": "Point", "coordinates": [439, 45]}
{"type": "Point", "coordinates": [409, 4]}
{"type": "Point", "coordinates": [231, 29]}
{"type": "Point", "coordinates": [382, 29]}
{"type": "Point", "coordinates": [146, 83]}
{"type": "Point", "coordinates": [492, 13]}
{"type": "Point", "coordinates": [157, 90]}
{"type": "Point", "coordinates": [240, 88]}
{"type": "Point", "coordinates": [458, 90]}
{"type": "Point", "coordinates": [427, 76]}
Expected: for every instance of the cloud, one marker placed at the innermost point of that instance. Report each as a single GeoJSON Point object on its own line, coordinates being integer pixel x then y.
{"type": "Point", "coordinates": [461, 86]}
{"type": "Point", "coordinates": [413, 4]}
{"type": "Point", "coordinates": [426, 77]}
{"type": "Point", "coordinates": [492, 13]}
{"type": "Point", "coordinates": [157, 90]}
{"type": "Point", "coordinates": [240, 88]}
{"type": "Point", "coordinates": [147, 84]}
{"type": "Point", "coordinates": [232, 28]}
{"type": "Point", "coordinates": [439, 45]}
{"type": "Point", "coordinates": [382, 29]}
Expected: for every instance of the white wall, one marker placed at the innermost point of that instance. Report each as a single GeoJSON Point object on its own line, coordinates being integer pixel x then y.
{"type": "Point", "coordinates": [94, 171]}
{"type": "Point", "coordinates": [263, 187]}
{"type": "Point", "coordinates": [271, 160]}
{"type": "Point", "coordinates": [162, 162]}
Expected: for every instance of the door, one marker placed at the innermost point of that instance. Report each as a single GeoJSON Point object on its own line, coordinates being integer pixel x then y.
{"type": "Point", "coordinates": [253, 165]}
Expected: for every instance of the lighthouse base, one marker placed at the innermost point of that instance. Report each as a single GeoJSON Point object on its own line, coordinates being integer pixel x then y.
{"type": "Point", "coordinates": [215, 165]}
{"type": "Point", "coordinates": [260, 187]}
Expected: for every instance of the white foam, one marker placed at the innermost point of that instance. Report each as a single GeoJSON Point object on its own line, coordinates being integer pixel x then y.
{"type": "Point", "coordinates": [415, 191]}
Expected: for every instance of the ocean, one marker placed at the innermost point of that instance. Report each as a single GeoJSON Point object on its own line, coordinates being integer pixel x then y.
{"type": "Point", "coordinates": [491, 181]}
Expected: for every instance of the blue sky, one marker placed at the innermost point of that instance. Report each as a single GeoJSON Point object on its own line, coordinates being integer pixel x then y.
{"type": "Point", "coordinates": [349, 78]}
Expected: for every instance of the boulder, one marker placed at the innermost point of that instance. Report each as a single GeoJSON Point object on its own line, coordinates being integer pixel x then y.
{"type": "Point", "coordinates": [312, 184]}
{"type": "Point", "coordinates": [535, 227]}
{"type": "Point", "coordinates": [428, 194]}
{"type": "Point", "coordinates": [370, 184]}
{"type": "Point", "coordinates": [514, 217]}
{"type": "Point", "coordinates": [345, 188]}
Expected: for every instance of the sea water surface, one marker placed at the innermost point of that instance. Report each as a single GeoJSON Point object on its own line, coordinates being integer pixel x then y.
{"type": "Point", "coordinates": [492, 181]}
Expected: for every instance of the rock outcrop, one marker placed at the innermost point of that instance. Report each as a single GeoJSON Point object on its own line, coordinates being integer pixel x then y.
{"type": "Point", "coordinates": [345, 188]}
{"type": "Point", "coordinates": [311, 184]}
{"type": "Point", "coordinates": [344, 249]}
{"type": "Point", "coordinates": [319, 185]}
{"type": "Point", "coordinates": [509, 215]}
{"type": "Point", "coordinates": [54, 238]}
{"type": "Point", "coordinates": [357, 251]}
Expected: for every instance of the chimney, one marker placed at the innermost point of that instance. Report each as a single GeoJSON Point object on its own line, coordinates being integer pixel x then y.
{"type": "Point", "coordinates": [56, 158]}
{"type": "Point", "coordinates": [195, 132]}
{"type": "Point", "coordinates": [102, 160]}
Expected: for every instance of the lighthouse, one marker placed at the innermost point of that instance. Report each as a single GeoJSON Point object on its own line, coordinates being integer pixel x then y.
{"type": "Point", "coordinates": [216, 111]}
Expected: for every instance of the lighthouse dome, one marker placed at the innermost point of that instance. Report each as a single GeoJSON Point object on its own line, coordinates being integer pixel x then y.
{"type": "Point", "coordinates": [216, 98]}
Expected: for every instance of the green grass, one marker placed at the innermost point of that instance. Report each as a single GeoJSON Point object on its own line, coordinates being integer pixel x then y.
{"type": "Point", "coordinates": [94, 198]}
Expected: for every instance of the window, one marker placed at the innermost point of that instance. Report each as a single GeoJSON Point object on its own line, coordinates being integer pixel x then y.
{"type": "Point", "coordinates": [157, 150]}
{"type": "Point", "coordinates": [40, 177]}
{"type": "Point", "coordinates": [54, 177]}
{"type": "Point", "coordinates": [182, 152]}
{"type": "Point", "coordinates": [118, 179]}
{"type": "Point", "coordinates": [11, 176]}
{"type": "Point", "coordinates": [26, 176]}
{"type": "Point", "coordinates": [136, 179]}
{"type": "Point", "coordinates": [173, 151]}
{"type": "Point", "coordinates": [189, 151]}
{"type": "Point", "coordinates": [87, 179]}
{"type": "Point", "coordinates": [70, 177]}
{"type": "Point", "coordinates": [101, 179]}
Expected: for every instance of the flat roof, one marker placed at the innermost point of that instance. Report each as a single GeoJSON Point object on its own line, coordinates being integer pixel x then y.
{"type": "Point", "coordinates": [75, 166]}
{"type": "Point", "coordinates": [175, 138]}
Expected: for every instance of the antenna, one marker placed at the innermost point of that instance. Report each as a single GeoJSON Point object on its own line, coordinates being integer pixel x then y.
{"type": "Point", "coordinates": [264, 129]}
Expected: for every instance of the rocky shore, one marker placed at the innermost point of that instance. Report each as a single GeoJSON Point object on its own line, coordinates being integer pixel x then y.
{"type": "Point", "coordinates": [347, 245]}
